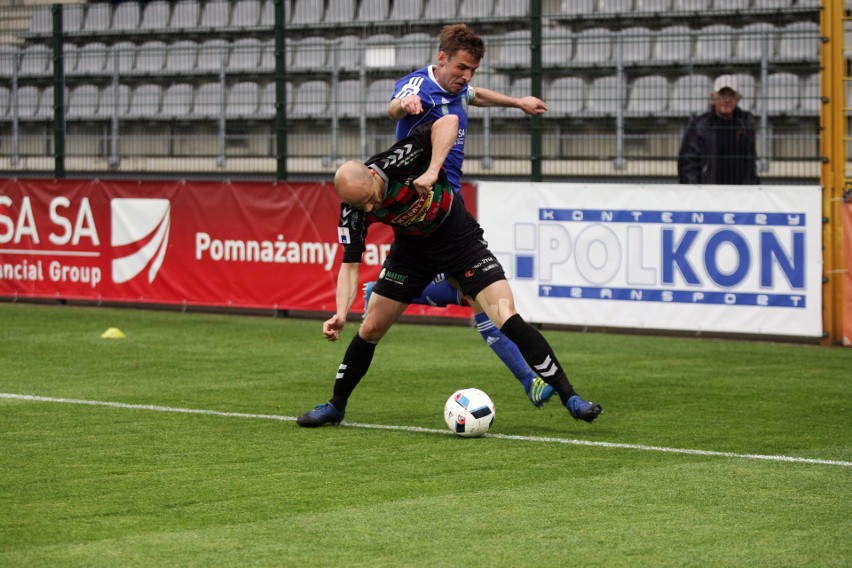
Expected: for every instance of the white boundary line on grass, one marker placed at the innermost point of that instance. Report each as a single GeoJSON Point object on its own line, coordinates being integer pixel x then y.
{"type": "Point", "coordinates": [547, 440]}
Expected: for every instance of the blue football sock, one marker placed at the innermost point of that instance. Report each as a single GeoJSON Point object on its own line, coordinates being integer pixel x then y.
{"type": "Point", "coordinates": [439, 293]}
{"type": "Point", "coordinates": [505, 349]}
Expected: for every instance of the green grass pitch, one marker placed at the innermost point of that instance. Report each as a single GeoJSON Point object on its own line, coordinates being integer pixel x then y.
{"type": "Point", "coordinates": [145, 485]}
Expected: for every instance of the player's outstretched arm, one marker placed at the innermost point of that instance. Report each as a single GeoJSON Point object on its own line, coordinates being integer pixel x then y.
{"type": "Point", "coordinates": [398, 108]}
{"type": "Point", "coordinates": [347, 290]}
{"type": "Point", "coordinates": [488, 98]}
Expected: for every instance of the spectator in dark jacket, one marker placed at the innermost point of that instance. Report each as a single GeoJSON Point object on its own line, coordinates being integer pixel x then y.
{"type": "Point", "coordinates": [718, 146]}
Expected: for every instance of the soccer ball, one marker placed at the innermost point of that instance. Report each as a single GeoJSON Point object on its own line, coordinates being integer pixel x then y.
{"type": "Point", "coordinates": [469, 413]}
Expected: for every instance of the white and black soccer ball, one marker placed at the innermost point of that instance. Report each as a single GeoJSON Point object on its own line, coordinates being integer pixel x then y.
{"type": "Point", "coordinates": [469, 413]}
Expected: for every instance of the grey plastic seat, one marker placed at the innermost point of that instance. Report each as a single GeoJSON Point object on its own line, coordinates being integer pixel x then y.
{"type": "Point", "coordinates": [513, 49]}
{"type": "Point", "coordinates": [185, 15]}
{"type": "Point", "coordinates": [406, 10]}
{"type": "Point", "coordinates": [648, 96]}
{"type": "Point", "coordinates": [155, 17]}
{"type": "Point", "coordinates": [714, 44]}
{"type": "Point", "coordinates": [181, 57]}
{"type": "Point", "coordinates": [379, 94]}
{"type": "Point", "coordinates": [566, 96]}
{"type": "Point", "coordinates": [307, 12]}
{"type": "Point", "coordinates": [310, 100]}
{"type": "Point", "coordinates": [415, 50]}
{"type": "Point", "coordinates": [348, 101]}
{"type": "Point", "coordinates": [593, 47]}
{"type": "Point", "coordinates": [267, 13]}
{"type": "Point", "coordinates": [215, 15]}
{"type": "Point", "coordinates": [46, 109]}
{"type": "Point", "coordinates": [473, 9]}
{"type": "Point", "coordinates": [114, 102]}
{"type": "Point", "coordinates": [246, 14]}
{"type": "Point", "coordinates": [604, 97]}
{"type": "Point", "coordinates": [82, 102]}
{"type": "Point", "coordinates": [70, 53]}
{"type": "Point", "coordinates": [672, 44]}
{"type": "Point", "coordinates": [92, 58]}
{"type": "Point", "coordinates": [690, 95]}
{"type": "Point", "coordinates": [635, 45]}
{"type": "Point", "coordinates": [177, 101]}
{"type": "Point", "coordinates": [267, 56]}
{"type": "Point", "coordinates": [309, 54]}
{"type": "Point", "coordinates": [691, 5]}
{"type": "Point", "coordinates": [29, 102]}
{"type": "Point", "coordinates": [36, 61]}
{"type": "Point", "coordinates": [344, 53]}
{"type": "Point", "coordinates": [771, 4]}
{"type": "Point", "coordinates": [150, 58]}
{"type": "Point", "coordinates": [380, 51]}
{"type": "Point", "coordinates": [123, 54]}
{"type": "Point", "coordinates": [73, 16]}
{"type": "Point", "coordinates": [780, 94]}
{"type": "Point", "coordinates": [577, 8]}
{"type": "Point", "coordinates": [266, 107]}
{"type": "Point", "coordinates": [126, 17]}
{"type": "Point", "coordinates": [8, 60]}
{"type": "Point", "coordinates": [145, 101]}
{"type": "Point", "coordinates": [98, 17]}
{"type": "Point", "coordinates": [753, 39]}
{"type": "Point", "coordinates": [748, 91]}
{"type": "Point", "coordinates": [557, 48]}
{"type": "Point", "coordinates": [511, 9]}
{"type": "Point", "coordinates": [653, 6]}
{"type": "Point", "coordinates": [730, 5]}
{"type": "Point", "coordinates": [436, 10]}
{"type": "Point", "coordinates": [242, 100]}
{"type": "Point", "coordinates": [5, 99]}
{"type": "Point", "coordinates": [370, 11]}
{"type": "Point", "coordinates": [212, 56]}
{"type": "Point", "coordinates": [340, 11]}
{"type": "Point", "coordinates": [615, 7]}
{"type": "Point", "coordinates": [208, 101]}
{"type": "Point", "coordinates": [41, 22]}
{"type": "Point", "coordinates": [810, 99]}
{"type": "Point", "coordinates": [245, 55]}
{"type": "Point", "coordinates": [799, 41]}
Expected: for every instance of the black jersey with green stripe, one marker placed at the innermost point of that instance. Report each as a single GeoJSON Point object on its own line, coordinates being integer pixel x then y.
{"type": "Point", "coordinates": [407, 212]}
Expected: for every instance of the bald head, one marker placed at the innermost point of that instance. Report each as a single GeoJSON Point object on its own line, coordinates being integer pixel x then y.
{"type": "Point", "coordinates": [356, 185]}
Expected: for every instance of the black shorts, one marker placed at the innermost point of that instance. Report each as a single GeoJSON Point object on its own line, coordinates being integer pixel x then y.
{"type": "Point", "coordinates": [457, 248]}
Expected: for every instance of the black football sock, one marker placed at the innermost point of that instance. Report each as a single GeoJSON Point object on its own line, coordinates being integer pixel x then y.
{"type": "Point", "coordinates": [355, 363]}
{"type": "Point", "coordinates": [539, 355]}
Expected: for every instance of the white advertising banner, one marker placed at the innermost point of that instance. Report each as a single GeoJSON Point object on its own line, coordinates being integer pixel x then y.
{"type": "Point", "coordinates": [728, 259]}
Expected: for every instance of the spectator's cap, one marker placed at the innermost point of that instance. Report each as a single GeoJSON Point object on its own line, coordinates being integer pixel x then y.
{"type": "Point", "coordinates": [726, 82]}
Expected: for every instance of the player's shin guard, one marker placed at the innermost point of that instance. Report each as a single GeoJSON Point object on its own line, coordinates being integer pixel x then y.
{"type": "Point", "coordinates": [355, 363]}
{"type": "Point", "coordinates": [539, 355]}
{"type": "Point", "coordinates": [505, 349]}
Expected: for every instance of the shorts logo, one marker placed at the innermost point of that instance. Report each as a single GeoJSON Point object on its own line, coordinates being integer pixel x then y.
{"type": "Point", "coordinates": [140, 235]}
{"type": "Point", "coordinates": [394, 277]}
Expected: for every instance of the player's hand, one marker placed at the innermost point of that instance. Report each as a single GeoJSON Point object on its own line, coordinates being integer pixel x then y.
{"type": "Point", "coordinates": [332, 327]}
{"type": "Point", "coordinates": [532, 105]}
{"type": "Point", "coordinates": [423, 185]}
{"type": "Point", "coordinates": [411, 104]}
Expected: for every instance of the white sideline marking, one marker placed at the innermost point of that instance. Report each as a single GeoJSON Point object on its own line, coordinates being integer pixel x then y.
{"type": "Point", "coordinates": [547, 440]}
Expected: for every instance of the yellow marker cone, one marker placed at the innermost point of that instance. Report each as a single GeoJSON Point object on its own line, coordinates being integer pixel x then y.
{"type": "Point", "coordinates": [113, 333]}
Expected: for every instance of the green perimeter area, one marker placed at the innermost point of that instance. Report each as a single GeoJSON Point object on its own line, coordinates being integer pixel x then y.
{"type": "Point", "coordinates": [101, 486]}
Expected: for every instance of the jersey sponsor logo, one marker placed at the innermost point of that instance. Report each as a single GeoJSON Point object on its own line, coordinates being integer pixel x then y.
{"type": "Point", "coordinates": [417, 212]}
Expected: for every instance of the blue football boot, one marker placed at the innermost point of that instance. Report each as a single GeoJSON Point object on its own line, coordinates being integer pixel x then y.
{"type": "Point", "coordinates": [582, 409]}
{"type": "Point", "coordinates": [324, 413]}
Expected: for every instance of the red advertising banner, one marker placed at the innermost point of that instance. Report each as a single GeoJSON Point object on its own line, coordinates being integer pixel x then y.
{"type": "Point", "coordinates": [229, 244]}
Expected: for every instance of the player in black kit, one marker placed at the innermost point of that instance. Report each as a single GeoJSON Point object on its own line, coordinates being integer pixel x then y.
{"type": "Point", "coordinates": [406, 187]}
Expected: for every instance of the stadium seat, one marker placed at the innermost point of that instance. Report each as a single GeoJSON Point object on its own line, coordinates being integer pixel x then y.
{"type": "Point", "coordinates": [8, 60]}
{"type": "Point", "coordinates": [513, 50]}
{"type": "Point", "coordinates": [557, 48]}
{"type": "Point", "coordinates": [5, 98]}
{"type": "Point", "coordinates": [69, 58]}
{"type": "Point", "coordinates": [46, 109]}
{"type": "Point", "coordinates": [114, 102]}
{"type": "Point", "coordinates": [208, 101]}
{"type": "Point", "coordinates": [310, 100]}
{"type": "Point", "coordinates": [181, 57]}
{"type": "Point", "coordinates": [635, 45]}
{"type": "Point", "coordinates": [604, 98]}
{"type": "Point", "coordinates": [752, 40]}
{"type": "Point", "coordinates": [145, 101]}
{"type": "Point", "coordinates": [242, 100]}
{"type": "Point", "coordinates": [380, 51]}
{"type": "Point", "coordinates": [690, 95]}
{"type": "Point", "coordinates": [212, 56]}
{"type": "Point", "coordinates": [415, 50]}
{"type": "Point", "coordinates": [799, 41]}
{"type": "Point", "coordinates": [648, 96]}
{"type": "Point", "coordinates": [82, 102]}
{"type": "Point", "coordinates": [41, 22]}
{"type": "Point", "coordinates": [406, 10]}
{"type": "Point", "coordinates": [92, 58]}
{"type": "Point", "coordinates": [691, 6]}
{"type": "Point", "coordinates": [266, 107]}
{"type": "Point", "coordinates": [371, 11]}
{"type": "Point", "coordinates": [245, 55]}
{"type": "Point", "coordinates": [473, 9]}
{"type": "Point", "coordinates": [577, 8]}
{"type": "Point", "coordinates": [267, 13]}
{"type": "Point", "coordinates": [438, 10]}
{"type": "Point", "coordinates": [122, 54]}
{"type": "Point", "coordinates": [714, 44]}
{"type": "Point", "coordinates": [307, 12]}
{"type": "Point", "coordinates": [593, 47]}
{"type": "Point", "coordinates": [345, 53]}
{"type": "Point", "coordinates": [810, 100]}
{"type": "Point", "coordinates": [566, 96]}
{"type": "Point", "coordinates": [511, 9]}
{"type": "Point", "coordinates": [781, 94]}
{"type": "Point", "coordinates": [309, 54]}
{"type": "Point", "coordinates": [185, 14]}
{"type": "Point", "coordinates": [748, 92]}
{"type": "Point", "coordinates": [615, 7]}
{"type": "Point", "coordinates": [150, 58]}
{"type": "Point", "coordinates": [126, 17]}
{"type": "Point", "coordinates": [267, 56]}
{"type": "Point", "coordinates": [340, 11]}
{"type": "Point", "coordinates": [730, 5]}
{"type": "Point", "coordinates": [653, 6]}
{"type": "Point", "coordinates": [349, 99]}
{"type": "Point", "coordinates": [29, 101]}
{"type": "Point", "coordinates": [246, 14]}
{"type": "Point", "coordinates": [177, 101]}
{"type": "Point", "coordinates": [771, 4]}
{"type": "Point", "coordinates": [673, 44]}
{"type": "Point", "coordinates": [36, 61]}
{"type": "Point", "coordinates": [73, 16]}
{"type": "Point", "coordinates": [155, 17]}
{"type": "Point", "coordinates": [215, 15]}
{"type": "Point", "coordinates": [98, 17]}
{"type": "Point", "coordinates": [379, 94]}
